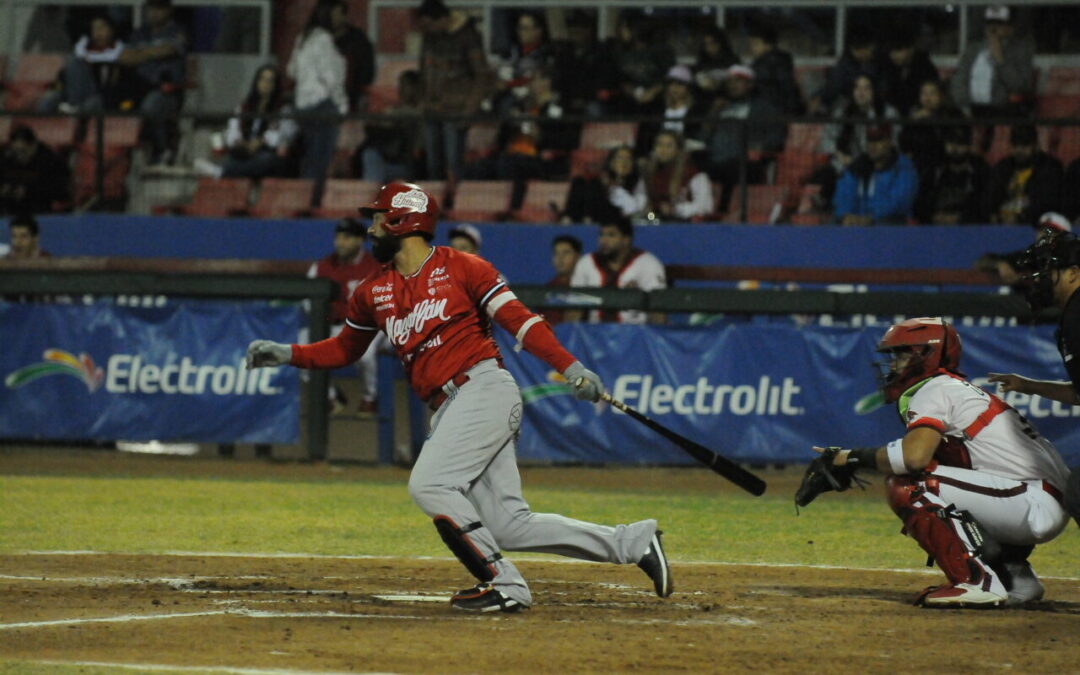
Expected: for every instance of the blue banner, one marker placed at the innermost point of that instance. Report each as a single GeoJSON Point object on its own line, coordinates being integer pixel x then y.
{"type": "Point", "coordinates": [171, 373]}
{"type": "Point", "coordinates": [753, 392]}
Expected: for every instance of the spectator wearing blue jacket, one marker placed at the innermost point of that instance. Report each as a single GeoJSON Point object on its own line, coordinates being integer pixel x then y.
{"type": "Point", "coordinates": [879, 186]}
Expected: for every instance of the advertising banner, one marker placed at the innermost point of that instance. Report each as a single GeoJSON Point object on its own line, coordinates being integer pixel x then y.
{"type": "Point", "coordinates": [172, 373]}
{"type": "Point", "coordinates": [757, 393]}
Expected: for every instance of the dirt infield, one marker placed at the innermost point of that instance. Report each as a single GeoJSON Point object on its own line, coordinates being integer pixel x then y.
{"type": "Point", "coordinates": [363, 615]}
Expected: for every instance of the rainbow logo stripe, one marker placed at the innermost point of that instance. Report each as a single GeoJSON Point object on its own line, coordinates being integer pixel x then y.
{"type": "Point", "coordinates": [555, 386]}
{"type": "Point", "coordinates": [58, 362]}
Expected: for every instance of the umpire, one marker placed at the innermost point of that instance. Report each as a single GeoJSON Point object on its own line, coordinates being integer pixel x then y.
{"type": "Point", "coordinates": [1052, 267]}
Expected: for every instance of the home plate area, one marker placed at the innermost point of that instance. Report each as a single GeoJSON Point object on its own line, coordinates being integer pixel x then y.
{"type": "Point", "coordinates": [298, 614]}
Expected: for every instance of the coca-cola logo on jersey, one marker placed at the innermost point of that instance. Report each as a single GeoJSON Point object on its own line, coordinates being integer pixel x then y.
{"type": "Point", "coordinates": [398, 329]}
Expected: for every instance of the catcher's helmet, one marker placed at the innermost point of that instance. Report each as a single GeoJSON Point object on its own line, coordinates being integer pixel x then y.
{"type": "Point", "coordinates": [408, 207]}
{"type": "Point", "coordinates": [934, 347]}
{"type": "Point", "coordinates": [1055, 250]}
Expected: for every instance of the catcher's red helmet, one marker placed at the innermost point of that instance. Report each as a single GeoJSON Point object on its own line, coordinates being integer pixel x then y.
{"type": "Point", "coordinates": [934, 346]}
{"type": "Point", "coordinates": [408, 207]}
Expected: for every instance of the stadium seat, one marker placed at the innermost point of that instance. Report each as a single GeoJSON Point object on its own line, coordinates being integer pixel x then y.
{"type": "Point", "coordinates": [764, 203]}
{"type": "Point", "coordinates": [120, 132]}
{"type": "Point", "coordinates": [58, 132]}
{"type": "Point", "coordinates": [608, 135]}
{"type": "Point", "coordinates": [800, 155]}
{"type": "Point", "coordinates": [437, 189]}
{"type": "Point", "coordinates": [544, 200]}
{"type": "Point", "coordinates": [284, 198]}
{"type": "Point", "coordinates": [219, 197]}
{"type": "Point", "coordinates": [481, 199]}
{"type": "Point", "coordinates": [480, 141]}
{"type": "Point", "coordinates": [115, 165]}
{"type": "Point", "coordinates": [587, 161]}
{"type": "Point", "coordinates": [1059, 105]}
{"type": "Point", "coordinates": [805, 211]}
{"type": "Point", "coordinates": [350, 136]}
{"type": "Point", "coordinates": [1068, 146]}
{"type": "Point", "coordinates": [33, 75]}
{"type": "Point", "coordinates": [1063, 81]}
{"type": "Point", "coordinates": [341, 198]}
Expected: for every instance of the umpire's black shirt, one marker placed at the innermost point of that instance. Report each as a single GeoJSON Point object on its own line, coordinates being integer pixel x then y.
{"type": "Point", "coordinates": [1068, 338]}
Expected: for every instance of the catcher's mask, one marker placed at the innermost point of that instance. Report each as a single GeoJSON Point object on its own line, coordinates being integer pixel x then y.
{"type": "Point", "coordinates": [917, 349]}
{"type": "Point", "coordinates": [1055, 250]}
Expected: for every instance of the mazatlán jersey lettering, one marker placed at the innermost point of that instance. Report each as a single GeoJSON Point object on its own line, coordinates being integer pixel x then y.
{"type": "Point", "coordinates": [433, 318]}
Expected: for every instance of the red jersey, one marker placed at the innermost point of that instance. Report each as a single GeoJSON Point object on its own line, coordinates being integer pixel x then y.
{"type": "Point", "coordinates": [347, 274]}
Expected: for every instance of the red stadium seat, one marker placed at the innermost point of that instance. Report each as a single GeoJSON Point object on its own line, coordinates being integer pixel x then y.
{"type": "Point", "coordinates": [805, 211]}
{"type": "Point", "coordinates": [218, 197]}
{"type": "Point", "coordinates": [587, 161]}
{"type": "Point", "coordinates": [607, 135]}
{"type": "Point", "coordinates": [341, 198]}
{"type": "Point", "coordinates": [1063, 81]}
{"type": "Point", "coordinates": [115, 166]}
{"type": "Point", "coordinates": [59, 132]}
{"type": "Point", "coordinates": [480, 141]}
{"type": "Point", "coordinates": [764, 203]}
{"type": "Point", "coordinates": [544, 200]}
{"type": "Point", "coordinates": [284, 198]}
{"type": "Point", "coordinates": [33, 75]}
{"type": "Point", "coordinates": [1059, 106]}
{"type": "Point", "coordinates": [120, 132]}
{"type": "Point", "coordinates": [1068, 146]}
{"type": "Point", "coordinates": [481, 199]}
{"type": "Point", "coordinates": [350, 136]}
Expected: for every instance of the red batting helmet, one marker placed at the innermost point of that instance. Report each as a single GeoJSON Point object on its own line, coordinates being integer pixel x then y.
{"type": "Point", "coordinates": [934, 347]}
{"type": "Point", "coordinates": [408, 207]}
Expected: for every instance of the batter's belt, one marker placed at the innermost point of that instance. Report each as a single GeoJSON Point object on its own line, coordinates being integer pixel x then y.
{"type": "Point", "coordinates": [456, 382]}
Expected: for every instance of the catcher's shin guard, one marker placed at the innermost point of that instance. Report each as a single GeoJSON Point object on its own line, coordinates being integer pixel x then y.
{"type": "Point", "coordinates": [952, 538]}
{"type": "Point", "coordinates": [456, 540]}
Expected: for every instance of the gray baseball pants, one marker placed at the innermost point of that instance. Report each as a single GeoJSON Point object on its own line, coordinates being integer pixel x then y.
{"type": "Point", "coordinates": [468, 472]}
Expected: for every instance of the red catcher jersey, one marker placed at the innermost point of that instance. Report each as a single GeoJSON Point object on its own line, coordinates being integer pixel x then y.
{"type": "Point", "coordinates": [347, 275]}
{"type": "Point", "coordinates": [433, 318]}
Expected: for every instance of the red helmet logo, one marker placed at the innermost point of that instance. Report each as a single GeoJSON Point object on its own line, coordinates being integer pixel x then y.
{"type": "Point", "coordinates": [932, 346]}
{"type": "Point", "coordinates": [408, 207]}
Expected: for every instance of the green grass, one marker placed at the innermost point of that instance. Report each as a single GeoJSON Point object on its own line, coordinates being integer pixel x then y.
{"type": "Point", "coordinates": [376, 517]}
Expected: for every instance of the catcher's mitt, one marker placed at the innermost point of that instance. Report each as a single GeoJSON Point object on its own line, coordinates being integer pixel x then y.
{"type": "Point", "coordinates": [822, 476]}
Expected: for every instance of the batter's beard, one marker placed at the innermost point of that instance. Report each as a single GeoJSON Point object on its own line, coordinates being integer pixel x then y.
{"type": "Point", "coordinates": [385, 248]}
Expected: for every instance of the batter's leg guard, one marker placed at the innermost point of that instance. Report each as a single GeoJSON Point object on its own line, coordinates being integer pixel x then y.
{"type": "Point", "coordinates": [952, 538]}
{"type": "Point", "coordinates": [456, 540]}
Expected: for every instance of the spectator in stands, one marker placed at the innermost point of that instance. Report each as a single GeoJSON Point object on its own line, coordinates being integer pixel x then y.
{"type": "Point", "coordinates": [392, 148]}
{"type": "Point", "coordinates": [860, 58]}
{"type": "Point", "coordinates": [954, 191]}
{"type": "Point", "coordinates": [465, 238]}
{"type": "Point", "coordinates": [774, 70]}
{"type": "Point", "coordinates": [529, 55]}
{"type": "Point", "coordinates": [1071, 195]}
{"type": "Point", "coordinates": [607, 196]}
{"type": "Point", "coordinates": [880, 185]}
{"type": "Point", "coordinates": [925, 143]}
{"type": "Point", "coordinates": [456, 79]}
{"type": "Point", "coordinates": [355, 47]}
{"type": "Point", "coordinates": [617, 263]}
{"type": "Point", "coordinates": [996, 77]}
{"type": "Point", "coordinates": [347, 266]}
{"type": "Point", "coordinates": [157, 51]}
{"type": "Point", "coordinates": [641, 59]}
{"type": "Point", "coordinates": [24, 239]}
{"type": "Point", "coordinates": [845, 141]}
{"type": "Point", "coordinates": [258, 143]}
{"type": "Point", "coordinates": [741, 110]}
{"type": "Point", "coordinates": [583, 70]}
{"type": "Point", "coordinates": [671, 187]}
{"type": "Point", "coordinates": [91, 78]}
{"type": "Point", "coordinates": [33, 179]}
{"type": "Point", "coordinates": [565, 253]}
{"type": "Point", "coordinates": [681, 110]}
{"type": "Point", "coordinates": [1027, 182]}
{"type": "Point", "coordinates": [906, 71]}
{"type": "Point", "coordinates": [319, 71]}
{"type": "Point", "coordinates": [714, 57]}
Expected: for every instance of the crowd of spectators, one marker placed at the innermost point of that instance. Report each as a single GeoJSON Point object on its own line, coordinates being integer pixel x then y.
{"type": "Point", "coordinates": [705, 124]}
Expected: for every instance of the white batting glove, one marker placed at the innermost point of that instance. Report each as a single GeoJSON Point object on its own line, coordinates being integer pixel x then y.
{"type": "Point", "coordinates": [585, 384]}
{"type": "Point", "coordinates": [267, 354]}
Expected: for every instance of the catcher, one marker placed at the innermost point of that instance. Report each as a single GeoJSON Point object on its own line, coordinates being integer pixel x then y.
{"type": "Point", "coordinates": [973, 482]}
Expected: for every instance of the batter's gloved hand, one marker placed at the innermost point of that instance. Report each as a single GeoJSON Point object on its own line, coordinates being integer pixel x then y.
{"type": "Point", "coordinates": [585, 384]}
{"type": "Point", "coordinates": [267, 354]}
{"type": "Point", "coordinates": [823, 476]}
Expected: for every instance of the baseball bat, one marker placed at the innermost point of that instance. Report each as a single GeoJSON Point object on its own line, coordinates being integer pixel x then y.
{"type": "Point", "coordinates": [715, 461]}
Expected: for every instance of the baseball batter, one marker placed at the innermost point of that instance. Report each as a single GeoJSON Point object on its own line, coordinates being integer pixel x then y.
{"type": "Point", "coordinates": [974, 483]}
{"type": "Point", "coordinates": [436, 307]}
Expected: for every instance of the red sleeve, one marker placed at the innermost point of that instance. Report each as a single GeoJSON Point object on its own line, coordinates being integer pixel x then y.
{"type": "Point", "coordinates": [531, 331]}
{"type": "Point", "coordinates": [340, 350]}
{"type": "Point", "coordinates": [358, 313]}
